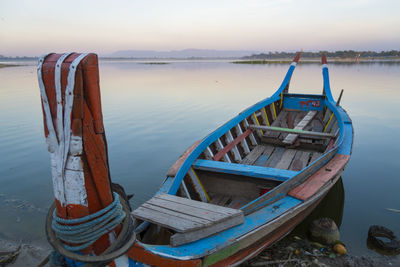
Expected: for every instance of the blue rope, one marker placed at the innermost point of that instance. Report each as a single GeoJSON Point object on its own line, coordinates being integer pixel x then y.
{"type": "Point", "coordinates": [88, 229]}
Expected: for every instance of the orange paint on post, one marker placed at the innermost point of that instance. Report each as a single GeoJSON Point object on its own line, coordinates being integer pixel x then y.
{"type": "Point", "coordinates": [86, 122]}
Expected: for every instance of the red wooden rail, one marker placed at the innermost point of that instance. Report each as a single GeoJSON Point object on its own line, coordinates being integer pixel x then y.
{"type": "Point", "coordinates": [228, 148]}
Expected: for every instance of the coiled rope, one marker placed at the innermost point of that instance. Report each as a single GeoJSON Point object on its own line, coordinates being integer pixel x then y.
{"type": "Point", "coordinates": [94, 226]}
{"type": "Point", "coordinates": [88, 229]}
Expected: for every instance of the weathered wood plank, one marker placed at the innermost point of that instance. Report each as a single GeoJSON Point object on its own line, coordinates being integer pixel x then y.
{"type": "Point", "coordinates": [245, 170]}
{"type": "Point", "coordinates": [244, 144]}
{"type": "Point", "coordinates": [276, 123]}
{"type": "Point", "coordinates": [286, 159]}
{"type": "Point", "coordinates": [293, 131]}
{"type": "Point", "coordinates": [165, 220]}
{"type": "Point", "coordinates": [253, 156]}
{"type": "Point", "coordinates": [188, 210]}
{"type": "Point", "coordinates": [204, 221]}
{"type": "Point", "coordinates": [290, 138]}
{"type": "Point", "coordinates": [183, 238]}
{"type": "Point", "coordinates": [300, 160]}
{"type": "Point", "coordinates": [198, 204]}
{"type": "Point", "coordinates": [275, 157]}
{"type": "Point", "coordinates": [315, 156]}
{"type": "Point", "coordinates": [198, 187]}
{"type": "Point", "coordinates": [316, 181]}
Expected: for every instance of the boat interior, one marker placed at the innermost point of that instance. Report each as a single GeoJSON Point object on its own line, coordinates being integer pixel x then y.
{"type": "Point", "coordinates": [265, 149]}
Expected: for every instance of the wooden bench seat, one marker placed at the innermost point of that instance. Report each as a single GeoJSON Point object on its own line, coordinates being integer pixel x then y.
{"type": "Point", "coordinates": [191, 220]}
{"type": "Point", "coordinates": [245, 170]}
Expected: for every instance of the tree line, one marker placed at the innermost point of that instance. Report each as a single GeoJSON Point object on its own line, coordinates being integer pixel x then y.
{"type": "Point", "coordinates": [337, 54]}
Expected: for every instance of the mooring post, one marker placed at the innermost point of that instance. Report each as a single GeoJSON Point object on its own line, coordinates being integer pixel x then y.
{"type": "Point", "coordinates": [75, 136]}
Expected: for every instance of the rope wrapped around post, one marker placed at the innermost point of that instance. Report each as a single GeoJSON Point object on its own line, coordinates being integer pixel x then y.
{"type": "Point", "coordinates": [104, 221]}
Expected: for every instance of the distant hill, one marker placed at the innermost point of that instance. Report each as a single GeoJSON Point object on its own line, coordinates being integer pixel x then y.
{"type": "Point", "coordinates": [186, 53]}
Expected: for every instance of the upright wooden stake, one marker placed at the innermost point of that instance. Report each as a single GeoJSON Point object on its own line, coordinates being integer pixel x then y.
{"type": "Point", "coordinates": [74, 131]}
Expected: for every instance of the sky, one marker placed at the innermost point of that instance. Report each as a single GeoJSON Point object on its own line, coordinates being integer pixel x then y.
{"type": "Point", "coordinates": [34, 27]}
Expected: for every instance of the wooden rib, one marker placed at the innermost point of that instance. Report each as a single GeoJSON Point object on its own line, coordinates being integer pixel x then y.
{"type": "Point", "coordinates": [327, 124]}
{"type": "Point", "coordinates": [198, 186]}
{"type": "Point", "coordinates": [244, 142]}
{"type": "Point", "coordinates": [232, 144]}
{"type": "Point", "coordinates": [265, 116]}
{"type": "Point", "coordinates": [185, 189]}
{"type": "Point", "coordinates": [208, 153]}
{"type": "Point", "coordinates": [234, 149]}
{"type": "Point", "coordinates": [252, 138]}
{"type": "Point", "coordinates": [255, 120]}
{"type": "Point", "coordinates": [221, 148]}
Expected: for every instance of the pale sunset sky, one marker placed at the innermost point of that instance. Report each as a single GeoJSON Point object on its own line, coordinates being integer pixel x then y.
{"type": "Point", "coordinates": [33, 27]}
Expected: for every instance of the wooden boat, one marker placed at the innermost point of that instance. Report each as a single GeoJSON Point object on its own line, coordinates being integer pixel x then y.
{"type": "Point", "coordinates": [230, 195]}
{"type": "Point", "coordinates": [247, 184]}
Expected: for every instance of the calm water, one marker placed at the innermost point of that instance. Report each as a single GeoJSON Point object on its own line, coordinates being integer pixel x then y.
{"type": "Point", "coordinates": [152, 113]}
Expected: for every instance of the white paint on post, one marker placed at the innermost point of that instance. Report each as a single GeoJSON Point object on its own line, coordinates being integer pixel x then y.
{"type": "Point", "coordinates": [65, 149]}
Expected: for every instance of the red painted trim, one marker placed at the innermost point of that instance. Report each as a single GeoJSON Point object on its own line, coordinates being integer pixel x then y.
{"type": "Point", "coordinates": [319, 178]}
{"type": "Point", "coordinates": [228, 148]}
{"type": "Point", "coordinates": [297, 57]}
{"type": "Point", "coordinates": [323, 59]}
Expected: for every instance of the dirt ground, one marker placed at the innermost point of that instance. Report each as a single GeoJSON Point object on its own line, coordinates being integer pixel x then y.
{"type": "Point", "coordinates": [292, 252]}
{"type": "Point", "coordinates": [286, 253]}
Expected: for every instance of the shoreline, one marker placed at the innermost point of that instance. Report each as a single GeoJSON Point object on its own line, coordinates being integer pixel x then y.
{"type": "Point", "coordinates": [33, 253]}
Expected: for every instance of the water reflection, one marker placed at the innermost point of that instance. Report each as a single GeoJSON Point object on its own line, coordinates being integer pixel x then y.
{"type": "Point", "coordinates": [152, 113]}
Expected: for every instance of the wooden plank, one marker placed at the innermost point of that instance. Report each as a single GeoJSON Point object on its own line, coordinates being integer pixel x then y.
{"type": "Point", "coordinates": [253, 156]}
{"type": "Point", "coordinates": [244, 142]}
{"type": "Point", "coordinates": [275, 157]}
{"type": "Point", "coordinates": [177, 165]}
{"type": "Point", "coordinates": [264, 156]}
{"type": "Point", "coordinates": [198, 204]}
{"type": "Point", "coordinates": [164, 220]}
{"type": "Point", "coordinates": [220, 147]}
{"type": "Point", "coordinates": [300, 126]}
{"type": "Point", "coordinates": [198, 187]}
{"type": "Point", "coordinates": [185, 209]}
{"type": "Point", "coordinates": [286, 159]}
{"type": "Point", "coordinates": [177, 214]}
{"type": "Point", "coordinates": [275, 123]}
{"type": "Point", "coordinates": [279, 191]}
{"type": "Point", "coordinates": [316, 181]}
{"type": "Point", "coordinates": [284, 124]}
{"type": "Point", "coordinates": [300, 160]}
{"type": "Point", "coordinates": [183, 238]}
{"type": "Point", "coordinates": [315, 156]}
{"type": "Point", "coordinates": [208, 153]}
{"type": "Point", "coordinates": [294, 131]}
{"type": "Point", "coordinates": [232, 145]}
{"type": "Point", "coordinates": [251, 136]}
{"type": "Point", "coordinates": [247, 170]}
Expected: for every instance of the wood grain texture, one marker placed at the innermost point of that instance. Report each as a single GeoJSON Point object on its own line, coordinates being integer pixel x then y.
{"type": "Point", "coordinates": [316, 181]}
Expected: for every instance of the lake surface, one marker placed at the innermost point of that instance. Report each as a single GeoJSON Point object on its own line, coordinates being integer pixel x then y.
{"type": "Point", "coordinates": [152, 113]}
